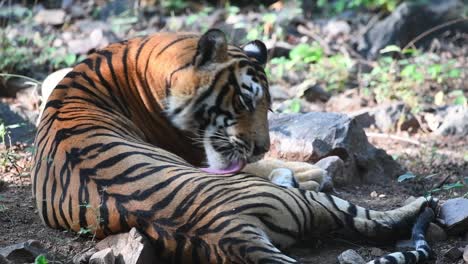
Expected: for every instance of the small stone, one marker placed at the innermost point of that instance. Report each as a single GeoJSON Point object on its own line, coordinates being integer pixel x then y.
{"type": "Point", "coordinates": [311, 91]}
{"type": "Point", "coordinates": [278, 92]}
{"type": "Point", "coordinates": [382, 195]}
{"type": "Point", "coordinates": [377, 252]}
{"type": "Point", "coordinates": [105, 256]}
{"type": "Point", "coordinates": [77, 11]}
{"type": "Point", "coordinates": [454, 213]}
{"type": "Point", "coordinates": [435, 233]}
{"type": "Point", "coordinates": [453, 253]}
{"type": "Point", "coordinates": [53, 17]}
{"type": "Point", "coordinates": [373, 194]}
{"type": "Point", "coordinates": [336, 28]}
{"type": "Point", "coordinates": [350, 257]}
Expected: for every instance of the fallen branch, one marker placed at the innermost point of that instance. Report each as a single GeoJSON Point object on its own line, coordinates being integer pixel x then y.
{"type": "Point", "coordinates": [429, 31]}
{"type": "Point", "coordinates": [399, 138]}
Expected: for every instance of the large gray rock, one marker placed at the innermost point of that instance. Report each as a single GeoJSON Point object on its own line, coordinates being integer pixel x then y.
{"type": "Point", "coordinates": [313, 136]}
{"type": "Point", "coordinates": [24, 252]}
{"type": "Point", "coordinates": [129, 248]}
{"type": "Point", "coordinates": [409, 20]}
{"type": "Point", "coordinates": [105, 256]}
{"type": "Point", "coordinates": [454, 214]}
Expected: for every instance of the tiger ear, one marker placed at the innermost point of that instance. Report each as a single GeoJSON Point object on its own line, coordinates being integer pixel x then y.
{"type": "Point", "coordinates": [257, 50]}
{"type": "Point", "coordinates": [211, 48]}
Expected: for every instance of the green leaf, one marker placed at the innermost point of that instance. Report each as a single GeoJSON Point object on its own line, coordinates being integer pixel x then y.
{"type": "Point", "coordinates": [408, 175]}
{"type": "Point", "coordinates": [454, 73]}
{"type": "Point", "coordinates": [390, 48]}
{"type": "Point", "coordinates": [450, 186]}
{"type": "Point", "coordinates": [460, 100]}
{"type": "Point", "coordinates": [306, 53]}
{"type": "Point", "coordinates": [41, 259]}
{"type": "Point", "coordinates": [70, 59]}
{"type": "Point", "coordinates": [408, 70]}
{"type": "Point", "coordinates": [295, 106]}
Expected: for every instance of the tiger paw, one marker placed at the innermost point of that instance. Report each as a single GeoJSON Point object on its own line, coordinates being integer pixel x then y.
{"type": "Point", "coordinates": [306, 176]}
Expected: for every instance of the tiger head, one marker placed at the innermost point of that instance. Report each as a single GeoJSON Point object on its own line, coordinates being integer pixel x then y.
{"type": "Point", "coordinates": [223, 99]}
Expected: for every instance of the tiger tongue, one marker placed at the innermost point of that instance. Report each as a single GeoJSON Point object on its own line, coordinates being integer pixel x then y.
{"type": "Point", "coordinates": [234, 167]}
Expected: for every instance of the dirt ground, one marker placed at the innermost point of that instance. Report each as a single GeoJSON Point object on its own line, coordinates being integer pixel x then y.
{"type": "Point", "coordinates": [19, 220]}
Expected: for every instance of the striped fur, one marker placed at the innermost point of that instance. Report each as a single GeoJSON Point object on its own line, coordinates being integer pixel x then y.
{"type": "Point", "coordinates": [113, 151]}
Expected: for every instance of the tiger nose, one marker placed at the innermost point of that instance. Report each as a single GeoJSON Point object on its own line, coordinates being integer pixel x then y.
{"type": "Point", "coordinates": [258, 150]}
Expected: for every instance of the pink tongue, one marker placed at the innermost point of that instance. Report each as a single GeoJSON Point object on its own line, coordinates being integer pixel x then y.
{"type": "Point", "coordinates": [234, 167]}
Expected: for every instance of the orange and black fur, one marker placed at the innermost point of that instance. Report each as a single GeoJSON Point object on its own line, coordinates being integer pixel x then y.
{"type": "Point", "coordinates": [123, 134]}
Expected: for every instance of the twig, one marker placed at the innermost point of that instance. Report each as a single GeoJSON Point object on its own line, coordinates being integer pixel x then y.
{"type": "Point", "coordinates": [306, 31]}
{"type": "Point", "coordinates": [442, 182]}
{"type": "Point", "coordinates": [387, 136]}
{"type": "Point", "coordinates": [9, 75]}
{"type": "Point", "coordinates": [429, 31]}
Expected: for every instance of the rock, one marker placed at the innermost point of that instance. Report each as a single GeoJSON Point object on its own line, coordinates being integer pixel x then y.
{"type": "Point", "coordinates": [388, 118]}
{"type": "Point", "coordinates": [13, 115]}
{"type": "Point", "coordinates": [77, 11]}
{"type": "Point", "coordinates": [105, 256]}
{"type": "Point", "coordinates": [96, 39]}
{"type": "Point", "coordinates": [345, 102]}
{"type": "Point", "coordinates": [453, 121]}
{"type": "Point", "coordinates": [407, 21]}
{"type": "Point", "coordinates": [9, 87]}
{"type": "Point", "coordinates": [453, 253]}
{"type": "Point", "coordinates": [129, 248]}
{"type": "Point", "coordinates": [454, 213]}
{"type": "Point", "coordinates": [465, 254]}
{"type": "Point", "coordinates": [84, 256]}
{"type": "Point", "coordinates": [334, 167]}
{"type": "Point", "coordinates": [377, 252]}
{"type": "Point", "coordinates": [312, 136]}
{"type": "Point", "coordinates": [311, 91]}
{"type": "Point", "coordinates": [14, 13]}
{"type": "Point", "coordinates": [4, 260]}
{"type": "Point", "coordinates": [24, 252]}
{"type": "Point", "coordinates": [278, 48]}
{"type": "Point", "coordinates": [336, 28]}
{"type": "Point", "coordinates": [54, 17]}
{"type": "Point", "coordinates": [409, 200]}
{"type": "Point", "coordinates": [278, 92]}
{"type": "Point", "coordinates": [435, 233]}
{"type": "Point", "coordinates": [350, 257]}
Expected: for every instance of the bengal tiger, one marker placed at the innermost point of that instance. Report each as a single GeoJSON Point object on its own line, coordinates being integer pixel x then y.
{"type": "Point", "coordinates": [124, 138]}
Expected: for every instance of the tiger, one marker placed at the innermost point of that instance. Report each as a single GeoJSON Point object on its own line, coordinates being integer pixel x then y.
{"type": "Point", "coordinates": [166, 134]}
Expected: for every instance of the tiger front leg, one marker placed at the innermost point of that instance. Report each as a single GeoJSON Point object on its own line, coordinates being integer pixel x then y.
{"type": "Point", "coordinates": [307, 176]}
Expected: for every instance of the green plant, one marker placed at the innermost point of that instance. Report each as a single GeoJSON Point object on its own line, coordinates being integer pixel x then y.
{"type": "Point", "coordinates": [174, 5]}
{"type": "Point", "coordinates": [332, 72]}
{"type": "Point", "coordinates": [339, 6]}
{"type": "Point", "coordinates": [403, 80]}
{"type": "Point", "coordinates": [41, 259]}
